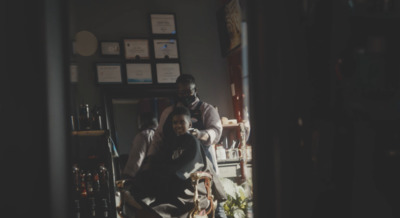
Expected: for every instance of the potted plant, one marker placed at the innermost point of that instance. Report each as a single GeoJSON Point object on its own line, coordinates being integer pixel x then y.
{"type": "Point", "coordinates": [238, 204]}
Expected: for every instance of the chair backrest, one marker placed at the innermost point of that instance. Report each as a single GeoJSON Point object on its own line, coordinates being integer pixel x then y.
{"type": "Point", "coordinates": [197, 211]}
{"type": "Point", "coordinates": [207, 177]}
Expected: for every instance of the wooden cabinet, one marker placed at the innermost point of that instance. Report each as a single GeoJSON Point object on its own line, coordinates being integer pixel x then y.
{"type": "Point", "coordinates": [94, 172]}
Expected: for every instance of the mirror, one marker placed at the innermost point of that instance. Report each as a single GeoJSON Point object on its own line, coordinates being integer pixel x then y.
{"type": "Point", "coordinates": [126, 113]}
{"type": "Point", "coordinates": [123, 108]}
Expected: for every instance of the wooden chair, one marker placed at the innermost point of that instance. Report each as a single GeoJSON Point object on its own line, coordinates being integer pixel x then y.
{"type": "Point", "coordinates": [197, 211]}
{"type": "Point", "coordinates": [197, 178]}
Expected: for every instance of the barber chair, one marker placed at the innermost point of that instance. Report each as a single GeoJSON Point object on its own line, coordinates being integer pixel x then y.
{"type": "Point", "coordinates": [203, 198]}
{"type": "Point", "coordinates": [199, 210]}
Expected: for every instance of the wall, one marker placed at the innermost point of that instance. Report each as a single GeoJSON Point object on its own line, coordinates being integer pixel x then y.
{"type": "Point", "coordinates": [197, 35]}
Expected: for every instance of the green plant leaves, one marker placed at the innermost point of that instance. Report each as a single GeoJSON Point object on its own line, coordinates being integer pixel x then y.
{"type": "Point", "coordinates": [236, 204]}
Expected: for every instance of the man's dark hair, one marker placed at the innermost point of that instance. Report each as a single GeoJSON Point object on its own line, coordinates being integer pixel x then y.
{"type": "Point", "coordinates": [181, 111]}
{"type": "Point", "coordinates": [148, 120]}
{"type": "Point", "coordinates": [185, 79]}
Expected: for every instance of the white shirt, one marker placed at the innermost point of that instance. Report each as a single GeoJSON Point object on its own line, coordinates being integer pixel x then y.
{"type": "Point", "coordinates": [138, 151]}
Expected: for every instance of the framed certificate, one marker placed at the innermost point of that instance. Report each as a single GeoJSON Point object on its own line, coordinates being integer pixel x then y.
{"type": "Point", "coordinates": [109, 73]}
{"type": "Point", "coordinates": [139, 73]}
{"type": "Point", "coordinates": [162, 23]}
{"type": "Point", "coordinates": [73, 73]}
{"type": "Point", "coordinates": [167, 72]}
{"type": "Point", "coordinates": [136, 49]}
{"type": "Point", "coordinates": [165, 48]}
{"type": "Point", "coordinates": [110, 48]}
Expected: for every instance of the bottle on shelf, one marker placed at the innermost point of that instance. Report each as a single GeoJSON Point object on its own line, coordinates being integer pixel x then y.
{"type": "Point", "coordinates": [104, 179]}
{"type": "Point", "coordinates": [104, 208]}
{"type": "Point", "coordinates": [84, 117]}
{"type": "Point", "coordinates": [83, 191]}
{"type": "Point", "coordinates": [89, 184]}
{"type": "Point", "coordinates": [97, 118]}
{"type": "Point", "coordinates": [96, 184]}
{"type": "Point", "coordinates": [77, 209]}
{"type": "Point", "coordinates": [72, 122]}
{"type": "Point", "coordinates": [92, 207]}
{"type": "Point", "coordinates": [76, 181]}
{"type": "Point", "coordinates": [220, 152]}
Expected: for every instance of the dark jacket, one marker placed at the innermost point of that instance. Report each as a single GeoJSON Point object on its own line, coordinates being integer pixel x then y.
{"type": "Point", "coordinates": [168, 179]}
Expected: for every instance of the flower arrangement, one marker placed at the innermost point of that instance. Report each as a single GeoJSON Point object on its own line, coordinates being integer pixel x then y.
{"type": "Point", "coordinates": [237, 204]}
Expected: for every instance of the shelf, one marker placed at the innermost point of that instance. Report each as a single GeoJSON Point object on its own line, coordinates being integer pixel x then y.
{"type": "Point", "coordinates": [232, 169]}
{"type": "Point", "coordinates": [89, 133]}
{"type": "Point", "coordinates": [232, 161]}
{"type": "Point", "coordinates": [230, 125]}
{"type": "Point", "coordinates": [229, 161]}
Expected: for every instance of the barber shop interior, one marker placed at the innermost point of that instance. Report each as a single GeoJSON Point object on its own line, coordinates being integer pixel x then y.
{"type": "Point", "coordinates": [201, 109]}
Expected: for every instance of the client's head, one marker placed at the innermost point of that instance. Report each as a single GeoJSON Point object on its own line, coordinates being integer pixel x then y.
{"type": "Point", "coordinates": [181, 121]}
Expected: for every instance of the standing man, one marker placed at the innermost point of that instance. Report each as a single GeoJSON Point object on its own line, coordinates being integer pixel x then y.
{"type": "Point", "coordinates": [206, 123]}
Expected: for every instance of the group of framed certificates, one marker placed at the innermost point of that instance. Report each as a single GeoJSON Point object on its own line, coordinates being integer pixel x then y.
{"type": "Point", "coordinates": [143, 56]}
{"type": "Point", "coordinates": [139, 48]}
{"type": "Point", "coordinates": [137, 73]}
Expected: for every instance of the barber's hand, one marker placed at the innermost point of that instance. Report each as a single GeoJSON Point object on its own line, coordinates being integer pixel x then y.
{"type": "Point", "coordinates": [202, 135]}
{"type": "Point", "coordinates": [194, 131]}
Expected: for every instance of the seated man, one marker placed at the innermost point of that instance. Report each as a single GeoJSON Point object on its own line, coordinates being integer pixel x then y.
{"type": "Point", "coordinates": [166, 186]}
{"type": "Point", "coordinates": [147, 125]}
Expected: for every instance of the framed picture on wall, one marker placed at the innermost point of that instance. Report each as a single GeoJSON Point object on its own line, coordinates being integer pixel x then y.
{"type": "Point", "coordinates": [136, 49]}
{"type": "Point", "coordinates": [165, 48]}
{"type": "Point", "coordinates": [139, 73]}
{"type": "Point", "coordinates": [73, 73]}
{"type": "Point", "coordinates": [167, 72]}
{"type": "Point", "coordinates": [108, 73]}
{"type": "Point", "coordinates": [163, 23]}
{"type": "Point", "coordinates": [229, 20]}
{"type": "Point", "coordinates": [110, 48]}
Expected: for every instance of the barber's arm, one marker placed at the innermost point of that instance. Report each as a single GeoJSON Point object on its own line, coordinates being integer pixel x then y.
{"type": "Point", "coordinates": [213, 125]}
